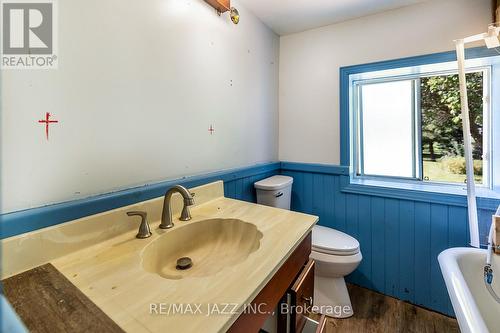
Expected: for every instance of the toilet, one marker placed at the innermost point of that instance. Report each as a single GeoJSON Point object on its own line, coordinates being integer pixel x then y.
{"type": "Point", "coordinates": [335, 253]}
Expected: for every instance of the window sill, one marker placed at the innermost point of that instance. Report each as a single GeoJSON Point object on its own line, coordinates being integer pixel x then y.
{"type": "Point", "coordinates": [434, 193]}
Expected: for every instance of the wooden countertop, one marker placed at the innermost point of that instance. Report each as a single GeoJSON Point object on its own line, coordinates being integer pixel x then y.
{"type": "Point", "coordinates": [47, 302]}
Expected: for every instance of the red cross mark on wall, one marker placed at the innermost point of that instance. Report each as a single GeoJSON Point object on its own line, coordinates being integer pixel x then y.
{"type": "Point", "coordinates": [211, 129]}
{"type": "Point", "coordinates": [47, 122]}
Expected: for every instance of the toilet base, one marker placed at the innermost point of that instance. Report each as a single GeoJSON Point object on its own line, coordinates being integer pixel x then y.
{"type": "Point", "coordinates": [331, 297]}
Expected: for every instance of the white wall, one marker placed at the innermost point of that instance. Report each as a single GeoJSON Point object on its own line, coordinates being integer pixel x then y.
{"type": "Point", "coordinates": [138, 84]}
{"type": "Point", "coordinates": [310, 62]}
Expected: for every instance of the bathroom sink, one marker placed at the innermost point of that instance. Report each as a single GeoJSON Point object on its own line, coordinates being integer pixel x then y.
{"type": "Point", "coordinates": [210, 246]}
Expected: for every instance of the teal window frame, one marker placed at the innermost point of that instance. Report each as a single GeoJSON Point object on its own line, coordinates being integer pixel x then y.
{"type": "Point", "coordinates": [385, 184]}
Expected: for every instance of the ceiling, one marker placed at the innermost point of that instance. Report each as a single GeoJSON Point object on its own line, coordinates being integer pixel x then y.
{"type": "Point", "coordinates": [289, 16]}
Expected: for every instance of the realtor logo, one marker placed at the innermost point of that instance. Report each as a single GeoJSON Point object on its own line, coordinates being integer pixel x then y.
{"type": "Point", "coordinates": [28, 34]}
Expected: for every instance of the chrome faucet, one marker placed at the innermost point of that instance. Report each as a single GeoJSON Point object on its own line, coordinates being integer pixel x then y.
{"type": "Point", "coordinates": [166, 215]}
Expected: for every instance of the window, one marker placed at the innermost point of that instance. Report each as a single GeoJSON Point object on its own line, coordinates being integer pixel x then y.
{"type": "Point", "coordinates": [387, 112]}
{"type": "Point", "coordinates": [442, 135]}
{"type": "Point", "coordinates": [406, 124]}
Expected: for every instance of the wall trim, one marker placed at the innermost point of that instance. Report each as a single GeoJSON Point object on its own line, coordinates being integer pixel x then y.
{"type": "Point", "coordinates": [420, 196]}
{"type": "Point", "coordinates": [15, 223]}
{"type": "Point", "coordinates": [330, 169]}
{"type": "Point", "coordinates": [388, 192]}
{"type": "Point", "coordinates": [19, 222]}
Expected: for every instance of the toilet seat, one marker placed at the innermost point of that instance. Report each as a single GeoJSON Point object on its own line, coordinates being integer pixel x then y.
{"type": "Point", "coordinates": [330, 241]}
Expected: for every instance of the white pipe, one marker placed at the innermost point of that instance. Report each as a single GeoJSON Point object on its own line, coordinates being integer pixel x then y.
{"type": "Point", "coordinates": [471, 189]}
{"type": "Point", "coordinates": [491, 40]}
{"type": "Point", "coordinates": [493, 30]}
{"type": "Point", "coordinates": [490, 245]}
{"type": "Point", "coordinates": [475, 38]}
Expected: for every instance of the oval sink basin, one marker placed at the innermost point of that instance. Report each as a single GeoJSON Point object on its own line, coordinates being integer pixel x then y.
{"type": "Point", "coordinates": [211, 245]}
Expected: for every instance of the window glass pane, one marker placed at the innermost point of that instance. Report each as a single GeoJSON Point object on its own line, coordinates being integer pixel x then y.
{"type": "Point", "coordinates": [387, 116]}
{"type": "Point", "coordinates": [442, 138]}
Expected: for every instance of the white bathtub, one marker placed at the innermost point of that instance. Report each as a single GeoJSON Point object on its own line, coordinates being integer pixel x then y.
{"type": "Point", "coordinates": [462, 269]}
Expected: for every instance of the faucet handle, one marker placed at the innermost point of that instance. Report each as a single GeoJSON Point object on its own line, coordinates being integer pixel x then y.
{"type": "Point", "coordinates": [138, 213]}
{"type": "Point", "coordinates": [144, 229]}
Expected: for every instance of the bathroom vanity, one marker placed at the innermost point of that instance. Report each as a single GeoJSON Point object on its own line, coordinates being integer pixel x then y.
{"type": "Point", "coordinates": [245, 259]}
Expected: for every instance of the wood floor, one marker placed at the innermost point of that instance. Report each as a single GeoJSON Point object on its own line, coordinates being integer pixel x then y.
{"type": "Point", "coordinates": [374, 312]}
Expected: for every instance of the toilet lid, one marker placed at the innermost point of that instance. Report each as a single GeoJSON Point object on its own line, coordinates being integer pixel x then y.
{"type": "Point", "coordinates": [274, 183]}
{"type": "Point", "coordinates": [331, 241]}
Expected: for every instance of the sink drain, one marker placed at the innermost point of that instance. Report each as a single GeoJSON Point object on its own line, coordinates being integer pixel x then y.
{"type": "Point", "coordinates": [184, 263]}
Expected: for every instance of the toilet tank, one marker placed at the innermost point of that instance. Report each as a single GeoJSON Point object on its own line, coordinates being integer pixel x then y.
{"type": "Point", "coordinates": [275, 191]}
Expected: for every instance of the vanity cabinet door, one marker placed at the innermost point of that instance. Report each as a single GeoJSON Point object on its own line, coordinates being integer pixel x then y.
{"type": "Point", "coordinates": [274, 290]}
{"type": "Point", "coordinates": [302, 293]}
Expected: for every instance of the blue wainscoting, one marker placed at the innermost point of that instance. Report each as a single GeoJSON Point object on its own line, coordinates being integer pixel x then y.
{"type": "Point", "coordinates": [238, 184]}
{"type": "Point", "coordinates": [400, 238]}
